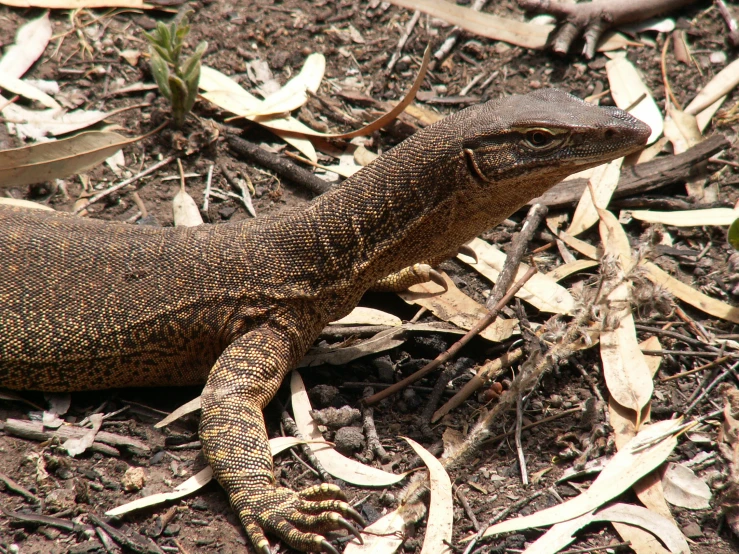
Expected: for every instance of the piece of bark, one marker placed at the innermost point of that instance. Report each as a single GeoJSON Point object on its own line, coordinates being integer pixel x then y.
{"type": "Point", "coordinates": [35, 431]}
{"type": "Point", "coordinates": [637, 179]}
{"type": "Point", "coordinates": [283, 167]}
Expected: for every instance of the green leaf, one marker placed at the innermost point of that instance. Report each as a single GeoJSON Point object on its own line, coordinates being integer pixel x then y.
{"type": "Point", "coordinates": [733, 235]}
{"type": "Point", "coordinates": [193, 62]}
{"type": "Point", "coordinates": [179, 98]}
{"type": "Point", "coordinates": [160, 70]}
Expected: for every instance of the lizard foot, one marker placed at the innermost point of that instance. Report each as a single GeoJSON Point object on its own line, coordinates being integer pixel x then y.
{"type": "Point", "coordinates": [409, 276]}
{"type": "Point", "coordinates": [299, 519]}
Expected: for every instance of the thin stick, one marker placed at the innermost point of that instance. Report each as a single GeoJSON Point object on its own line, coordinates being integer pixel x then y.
{"type": "Point", "coordinates": [100, 195]}
{"type": "Point", "coordinates": [403, 39]}
{"type": "Point", "coordinates": [206, 192]}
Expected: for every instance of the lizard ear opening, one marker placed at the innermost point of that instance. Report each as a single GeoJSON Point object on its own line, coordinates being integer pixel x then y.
{"type": "Point", "coordinates": [472, 166]}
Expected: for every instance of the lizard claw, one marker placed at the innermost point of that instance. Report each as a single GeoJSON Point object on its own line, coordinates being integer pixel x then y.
{"type": "Point", "coordinates": [437, 278]}
{"type": "Point", "coordinates": [468, 251]}
{"type": "Point", "coordinates": [349, 527]}
{"type": "Point", "coordinates": [327, 547]}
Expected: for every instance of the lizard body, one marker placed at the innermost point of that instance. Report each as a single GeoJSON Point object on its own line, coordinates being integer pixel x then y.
{"type": "Point", "coordinates": [86, 304]}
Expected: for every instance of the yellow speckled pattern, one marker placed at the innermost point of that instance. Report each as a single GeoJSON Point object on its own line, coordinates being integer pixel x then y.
{"type": "Point", "coordinates": [86, 304]}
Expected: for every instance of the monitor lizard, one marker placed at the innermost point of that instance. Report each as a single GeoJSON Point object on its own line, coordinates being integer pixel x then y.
{"type": "Point", "coordinates": [87, 304]}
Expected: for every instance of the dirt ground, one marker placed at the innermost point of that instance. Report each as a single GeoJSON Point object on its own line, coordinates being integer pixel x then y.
{"type": "Point", "coordinates": [357, 39]}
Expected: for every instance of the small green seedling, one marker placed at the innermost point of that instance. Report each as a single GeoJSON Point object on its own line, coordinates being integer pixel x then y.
{"type": "Point", "coordinates": [177, 81]}
{"type": "Point", "coordinates": [733, 235]}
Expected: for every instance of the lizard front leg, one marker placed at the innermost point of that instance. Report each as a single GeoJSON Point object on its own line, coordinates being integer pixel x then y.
{"type": "Point", "coordinates": [242, 382]}
{"type": "Point", "coordinates": [418, 273]}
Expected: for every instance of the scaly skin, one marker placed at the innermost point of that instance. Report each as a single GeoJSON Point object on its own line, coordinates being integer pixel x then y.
{"type": "Point", "coordinates": [87, 304]}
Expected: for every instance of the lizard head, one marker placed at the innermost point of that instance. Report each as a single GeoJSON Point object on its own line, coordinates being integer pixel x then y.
{"type": "Point", "coordinates": [545, 136]}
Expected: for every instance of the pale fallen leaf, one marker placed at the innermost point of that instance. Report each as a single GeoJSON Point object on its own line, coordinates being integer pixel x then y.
{"type": "Point", "coordinates": [685, 489]}
{"type": "Point", "coordinates": [295, 92]}
{"type": "Point", "coordinates": [368, 316]}
{"type": "Point", "coordinates": [185, 409]}
{"type": "Point", "coordinates": [22, 88]}
{"type": "Point", "coordinates": [341, 355]}
{"type": "Point", "coordinates": [722, 83]}
{"type": "Point", "coordinates": [688, 218]}
{"type": "Point", "coordinates": [30, 42]}
{"type": "Point", "coordinates": [229, 95]}
{"type": "Point", "coordinates": [627, 87]}
{"type": "Point", "coordinates": [20, 203]}
{"type": "Point", "coordinates": [58, 159]}
{"type": "Point", "coordinates": [456, 307]}
{"type": "Point", "coordinates": [562, 534]}
{"type": "Point", "coordinates": [334, 463]}
{"type": "Point", "coordinates": [441, 506]}
{"type": "Point", "coordinates": [642, 542]}
{"type": "Point", "coordinates": [624, 469]}
{"type": "Point", "coordinates": [384, 536]}
{"type": "Point", "coordinates": [682, 130]}
{"type": "Point", "coordinates": [77, 446]}
{"type": "Point", "coordinates": [540, 291]}
{"type": "Point", "coordinates": [185, 210]}
{"type": "Point", "coordinates": [565, 270]}
{"type": "Point", "coordinates": [627, 376]}
{"type": "Point", "coordinates": [688, 294]}
{"type": "Point", "coordinates": [602, 183]}
{"type": "Point", "coordinates": [194, 483]}
{"type": "Point", "coordinates": [37, 124]}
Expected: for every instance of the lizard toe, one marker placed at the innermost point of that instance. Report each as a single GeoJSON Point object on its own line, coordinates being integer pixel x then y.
{"type": "Point", "coordinates": [324, 491]}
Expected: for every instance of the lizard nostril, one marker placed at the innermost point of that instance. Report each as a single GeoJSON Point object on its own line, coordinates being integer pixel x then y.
{"type": "Point", "coordinates": [609, 134]}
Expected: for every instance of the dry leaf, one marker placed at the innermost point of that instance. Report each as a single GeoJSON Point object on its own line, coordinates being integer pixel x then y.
{"type": "Point", "coordinates": [194, 483]}
{"type": "Point", "coordinates": [185, 409]}
{"type": "Point", "coordinates": [688, 294]}
{"type": "Point", "coordinates": [565, 270]}
{"type": "Point", "coordinates": [384, 536]}
{"type": "Point", "coordinates": [540, 291]}
{"type": "Point", "coordinates": [185, 210]}
{"type": "Point", "coordinates": [441, 506]}
{"type": "Point", "coordinates": [30, 42]}
{"type": "Point", "coordinates": [685, 489]}
{"type": "Point", "coordinates": [626, 373]}
{"type": "Point", "coordinates": [58, 159]}
{"type": "Point", "coordinates": [295, 92]}
{"type": "Point", "coordinates": [687, 218]}
{"type": "Point", "coordinates": [682, 130]}
{"type": "Point", "coordinates": [456, 307]}
{"type": "Point", "coordinates": [627, 87]}
{"type": "Point", "coordinates": [624, 469]}
{"type": "Point", "coordinates": [602, 183]}
{"type": "Point", "coordinates": [368, 316]}
{"type": "Point", "coordinates": [20, 203]}
{"type": "Point", "coordinates": [79, 445]}
{"type": "Point", "coordinates": [229, 95]}
{"type": "Point", "coordinates": [22, 88]}
{"type": "Point", "coordinates": [334, 463]}
{"type": "Point", "coordinates": [562, 534]}
{"type": "Point", "coordinates": [341, 355]}
{"type": "Point", "coordinates": [722, 83]}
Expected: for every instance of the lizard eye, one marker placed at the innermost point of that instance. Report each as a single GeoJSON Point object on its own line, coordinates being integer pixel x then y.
{"type": "Point", "coordinates": [539, 138]}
